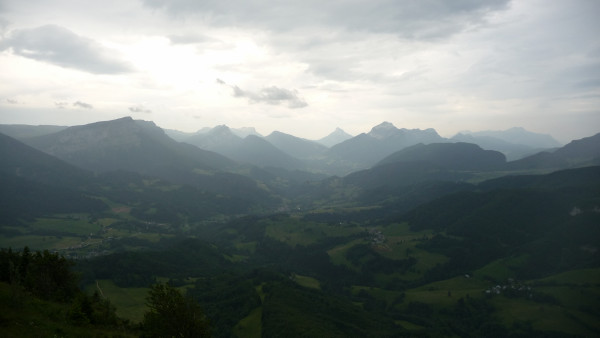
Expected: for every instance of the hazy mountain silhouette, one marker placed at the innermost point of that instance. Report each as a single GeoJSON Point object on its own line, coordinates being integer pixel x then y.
{"type": "Point", "coordinates": [452, 156]}
{"type": "Point", "coordinates": [577, 153]}
{"type": "Point", "coordinates": [431, 162]}
{"type": "Point", "coordinates": [512, 151]}
{"type": "Point", "coordinates": [23, 131]}
{"type": "Point", "coordinates": [21, 160]}
{"type": "Point", "coordinates": [364, 150]}
{"type": "Point", "coordinates": [518, 135]}
{"type": "Point", "coordinates": [219, 139]}
{"type": "Point", "coordinates": [245, 131]}
{"type": "Point", "coordinates": [125, 144]}
{"type": "Point", "coordinates": [177, 135]}
{"type": "Point", "coordinates": [259, 152]}
{"type": "Point", "coordinates": [337, 136]}
{"type": "Point", "coordinates": [296, 146]}
{"type": "Point", "coordinates": [35, 183]}
{"type": "Point", "coordinates": [251, 149]}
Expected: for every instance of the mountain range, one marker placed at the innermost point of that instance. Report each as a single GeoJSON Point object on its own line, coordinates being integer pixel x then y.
{"type": "Point", "coordinates": [141, 146]}
{"type": "Point", "coordinates": [428, 237]}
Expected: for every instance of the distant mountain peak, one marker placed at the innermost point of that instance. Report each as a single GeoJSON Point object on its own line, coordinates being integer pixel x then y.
{"type": "Point", "coordinates": [221, 127]}
{"type": "Point", "coordinates": [336, 137]}
{"type": "Point", "coordinates": [383, 130]}
{"type": "Point", "coordinates": [384, 125]}
{"type": "Point", "coordinates": [277, 133]}
{"type": "Point", "coordinates": [119, 120]}
{"type": "Point", "coordinates": [245, 131]}
{"type": "Point", "coordinates": [519, 135]}
{"type": "Point", "coordinates": [339, 131]}
{"type": "Point", "coordinates": [295, 146]}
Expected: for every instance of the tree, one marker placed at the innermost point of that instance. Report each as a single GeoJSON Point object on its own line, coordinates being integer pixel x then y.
{"type": "Point", "coordinates": [173, 315]}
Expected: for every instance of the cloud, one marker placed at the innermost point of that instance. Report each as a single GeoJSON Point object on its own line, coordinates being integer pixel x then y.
{"type": "Point", "coordinates": [4, 23]}
{"type": "Point", "coordinates": [61, 104]}
{"type": "Point", "coordinates": [270, 95]}
{"type": "Point", "coordinates": [78, 104]}
{"type": "Point", "coordinates": [83, 105]}
{"type": "Point", "coordinates": [189, 38]}
{"type": "Point", "coordinates": [140, 109]}
{"type": "Point", "coordinates": [59, 46]}
{"type": "Point", "coordinates": [412, 19]}
{"type": "Point", "coordinates": [275, 95]}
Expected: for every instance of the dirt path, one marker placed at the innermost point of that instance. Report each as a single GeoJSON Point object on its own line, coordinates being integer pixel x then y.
{"type": "Point", "coordinates": [99, 289]}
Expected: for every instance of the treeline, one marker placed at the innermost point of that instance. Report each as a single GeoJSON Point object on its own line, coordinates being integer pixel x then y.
{"type": "Point", "coordinates": [48, 276]}
{"type": "Point", "coordinates": [181, 259]}
{"type": "Point", "coordinates": [44, 279]}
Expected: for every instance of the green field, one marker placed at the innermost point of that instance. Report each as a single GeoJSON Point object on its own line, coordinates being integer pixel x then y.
{"type": "Point", "coordinates": [337, 255]}
{"type": "Point", "coordinates": [387, 296]}
{"type": "Point", "coordinates": [78, 225]}
{"type": "Point", "coordinates": [37, 242]}
{"type": "Point", "coordinates": [251, 326]}
{"type": "Point", "coordinates": [130, 302]}
{"type": "Point", "coordinates": [447, 292]}
{"type": "Point", "coordinates": [501, 269]}
{"type": "Point", "coordinates": [295, 232]}
{"type": "Point", "coordinates": [546, 317]}
{"type": "Point", "coordinates": [583, 276]}
{"type": "Point", "coordinates": [307, 282]}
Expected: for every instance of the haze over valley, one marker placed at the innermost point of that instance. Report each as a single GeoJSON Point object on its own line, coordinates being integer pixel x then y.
{"type": "Point", "coordinates": [304, 168]}
{"type": "Point", "coordinates": [390, 232]}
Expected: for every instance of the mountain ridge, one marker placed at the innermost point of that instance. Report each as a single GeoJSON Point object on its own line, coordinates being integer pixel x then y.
{"type": "Point", "coordinates": [335, 137]}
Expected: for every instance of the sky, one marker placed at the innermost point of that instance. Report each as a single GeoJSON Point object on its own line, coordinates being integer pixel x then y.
{"type": "Point", "coordinates": [304, 67]}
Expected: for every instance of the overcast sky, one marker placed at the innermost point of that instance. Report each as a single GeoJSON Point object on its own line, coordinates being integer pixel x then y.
{"type": "Point", "coordinates": [304, 67]}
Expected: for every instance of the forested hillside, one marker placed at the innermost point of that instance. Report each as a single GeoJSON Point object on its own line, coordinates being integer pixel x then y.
{"type": "Point", "coordinates": [438, 239]}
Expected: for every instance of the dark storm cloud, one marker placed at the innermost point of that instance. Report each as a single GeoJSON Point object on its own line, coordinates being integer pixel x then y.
{"type": "Point", "coordinates": [59, 46]}
{"type": "Point", "coordinates": [412, 19]}
{"type": "Point", "coordinates": [83, 105]}
{"type": "Point", "coordinates": [270, 95]}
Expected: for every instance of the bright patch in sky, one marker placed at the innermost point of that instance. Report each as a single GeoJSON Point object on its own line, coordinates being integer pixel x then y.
{"type": "Point", "coordinates": [304, 67]}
